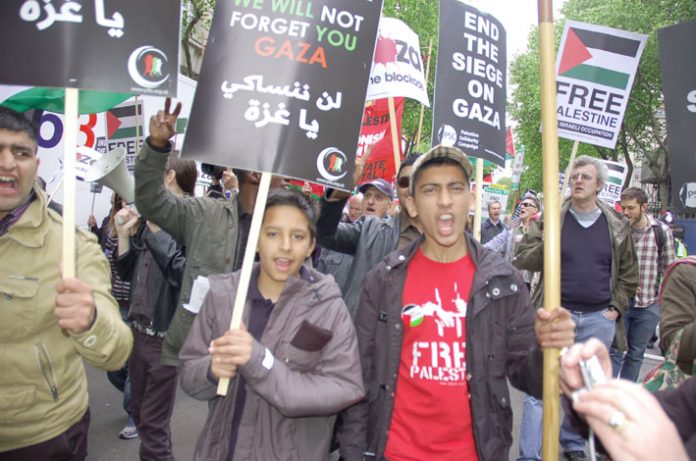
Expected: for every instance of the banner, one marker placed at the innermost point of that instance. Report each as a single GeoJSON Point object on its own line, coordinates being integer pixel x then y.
{"type": "Point", "coordinates": [517, 167]}
{"type": "Point", "coordinates": [509, 144]}
{"type": "Point", "coordinates": [595, 68]}
{"type": "Point", "coordinates": [611, 193]}
{"type": "Point", "coordinates": [470, 83]}
{"type": "Point", "coordinates": [282, 88]}
{"type": "Point", "coordinates": [493, 193]}
{"type": "Point", "coordinates": [376, 131]}
{"type": "Point", "coordinates": [679, 86]}
{"type": "Point", "coordinates": [119, 45]}
{"type": "Point", "coordinates": [397, 66]}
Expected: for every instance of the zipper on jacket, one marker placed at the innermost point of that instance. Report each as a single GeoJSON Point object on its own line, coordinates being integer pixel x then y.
{"type": "Point", "coordinates": [47, 370]}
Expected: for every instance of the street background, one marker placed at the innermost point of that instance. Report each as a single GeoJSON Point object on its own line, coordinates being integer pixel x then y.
{"type": "Point", "coordinates": [108, 418]}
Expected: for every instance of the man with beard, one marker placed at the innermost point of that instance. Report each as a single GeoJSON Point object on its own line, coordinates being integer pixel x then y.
{"type": "Point", "coordinates": [655, 251]}
{"type": "Point", "coordinates": [599, 272]}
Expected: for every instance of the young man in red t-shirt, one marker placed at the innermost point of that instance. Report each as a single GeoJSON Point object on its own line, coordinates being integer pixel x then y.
{"type": "Point", "coordinates": [441, 325]}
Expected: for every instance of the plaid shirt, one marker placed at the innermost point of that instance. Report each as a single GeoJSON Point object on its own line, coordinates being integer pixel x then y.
{"type": "Point", "coordinates": [650, 268]}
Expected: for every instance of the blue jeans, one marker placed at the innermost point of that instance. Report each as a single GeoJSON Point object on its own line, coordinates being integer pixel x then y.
{"type": "Point", "coordinates": [587, 325]}
{"type": "Point", "coordinates": [640, 324]}
{"type": "Point", "coordinates": [531, 429]}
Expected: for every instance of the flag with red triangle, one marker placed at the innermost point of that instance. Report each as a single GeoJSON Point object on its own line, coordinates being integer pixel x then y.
{"type": "Point", "coordinates": [595, 69]}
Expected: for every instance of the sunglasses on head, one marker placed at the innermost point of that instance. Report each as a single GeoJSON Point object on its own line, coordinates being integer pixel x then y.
{"type": "Point", "coordinates": [403, 182]}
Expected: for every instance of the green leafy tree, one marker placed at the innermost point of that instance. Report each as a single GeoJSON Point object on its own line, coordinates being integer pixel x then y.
{"type": "Point", "coordinates": [643, 133]}
{"type": "Point", "coordinates": [196, 18]}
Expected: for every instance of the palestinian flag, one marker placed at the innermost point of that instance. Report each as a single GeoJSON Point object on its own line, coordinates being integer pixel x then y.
{"type": "Point", "coordinates": [617, 173]}
{"type": "Point", "coordinates": [121, 121]}
{"type": "Point", "coordinates": [317, 189]}
{"type": "Point", "coordinates": [53, 100]}
{"type": "Point", "coordinates": [600, 55]}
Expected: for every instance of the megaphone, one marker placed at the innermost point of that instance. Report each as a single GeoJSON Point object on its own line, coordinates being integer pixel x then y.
{"type": "Point", "coordinates": [111, 171]}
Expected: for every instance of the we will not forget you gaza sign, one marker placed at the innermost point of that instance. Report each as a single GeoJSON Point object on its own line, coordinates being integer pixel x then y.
{"type": "Point", "coordinates": [282, 87]}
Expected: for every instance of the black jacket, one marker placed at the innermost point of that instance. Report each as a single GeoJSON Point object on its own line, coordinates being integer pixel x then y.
{"type": "Point", "coordinates": [501, 345]}
{"type": "Point", "coordinates": [368, 240]}
{"type": "Point", "coordinates": [157, 296]}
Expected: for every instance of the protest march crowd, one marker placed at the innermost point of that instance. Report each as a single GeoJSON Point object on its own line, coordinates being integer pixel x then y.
{"type": "Point", "coordinates": [372, 324]}
{"type": "Point", "coordinates": [427, 323]}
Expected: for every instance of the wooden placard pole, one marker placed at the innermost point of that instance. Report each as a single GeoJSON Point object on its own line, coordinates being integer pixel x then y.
{"type": "Point", "coordinates": [247, 264]}
{"type": "Point", "coordinates": [552, 229]}
{"type": "Point", "coordinates": [396, 136]}
{"type": "Point", "coordinates": [569, 168]}
{"type": "Point", "coordinates": [479, 199]}
{"type": "Point", "coordinates": [137, 124]}
{"type": "Point", "coordinates": [69, 180]}
{"type": "Point", "coordinates": [427, 74]}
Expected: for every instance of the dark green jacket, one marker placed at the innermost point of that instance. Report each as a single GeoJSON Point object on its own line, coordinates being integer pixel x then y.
{"type": "Point", "coordinates": [206, 227]}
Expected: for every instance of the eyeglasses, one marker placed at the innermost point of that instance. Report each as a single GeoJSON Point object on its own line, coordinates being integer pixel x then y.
{"type": "Point", "coordinates": [527, 205]}
{"type": "Point", "coordinates": [404, 182]}
{"type": "Point", "coordinates": [584, 176]}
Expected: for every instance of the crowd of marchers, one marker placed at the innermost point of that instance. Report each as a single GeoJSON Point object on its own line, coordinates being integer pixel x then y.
{"type": "Point", "coordinates": [376, 327]}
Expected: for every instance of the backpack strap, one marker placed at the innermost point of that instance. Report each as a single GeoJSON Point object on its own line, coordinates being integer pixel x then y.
{"type": "Point", "coordinates": [659, 239]}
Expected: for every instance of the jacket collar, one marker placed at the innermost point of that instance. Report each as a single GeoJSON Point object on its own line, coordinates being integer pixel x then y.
{"type": "Point", "coordinates": [29, 230]}
{"type": "Point", "coordinates": [618, 225]}
{"type": "Point", "coordinates": [310, 285]}
{"type": "Point", "coordinates": [487, 262]}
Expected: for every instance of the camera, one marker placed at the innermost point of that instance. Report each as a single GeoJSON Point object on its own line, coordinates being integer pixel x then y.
{"type": "Point", "coordinates": [592, 372]}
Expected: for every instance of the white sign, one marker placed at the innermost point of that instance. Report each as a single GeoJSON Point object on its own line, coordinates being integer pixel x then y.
{"type": "Point", "coordinates": [397, 66]}
{"type": "Point", "coordinates": [492, 194]}
{"type": "Point", "coordinates": [594, 75]}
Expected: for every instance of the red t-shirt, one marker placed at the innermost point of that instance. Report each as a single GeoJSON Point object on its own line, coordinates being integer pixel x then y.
{"type": "Point", "coordinates": [432, 415]}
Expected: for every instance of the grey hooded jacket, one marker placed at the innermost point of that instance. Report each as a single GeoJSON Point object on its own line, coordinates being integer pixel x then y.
{"type": "Point", "coordinates": [290, 407]}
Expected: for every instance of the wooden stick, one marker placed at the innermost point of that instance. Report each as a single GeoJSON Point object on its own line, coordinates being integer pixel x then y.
{"type": "Point", "coordinates": [479, 199]}
{"type": "Point", "coordinates": [396, 136]}
{"type": "Point", "coordinates": [247, 265]}
{"type": "Point", "coordinates": [69, 180]}
{"type": "Point", "coordinates": [552, 229]}
{"type": "Point", "coordinates": [569, 168]}
{"type": "Point", "coordinates": [137, 124]}
{"type": "Point", "coordinates": [427, 74]}
{"type": "Point", "coordinates": [91, 209]}
{"type": "Point", "coordinates": [56, 189]}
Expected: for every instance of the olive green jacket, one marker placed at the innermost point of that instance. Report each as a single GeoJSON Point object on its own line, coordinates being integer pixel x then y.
{"type": "Point", "coordinates": [207, 228]}
{"type": "Point", "coordinates": [529, 255]}
{"type": "Point", "coordinates": [43, 386]}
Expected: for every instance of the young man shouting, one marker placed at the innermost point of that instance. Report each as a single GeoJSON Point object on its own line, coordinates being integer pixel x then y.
{"type": "Point", "coordinates": [442, 323]}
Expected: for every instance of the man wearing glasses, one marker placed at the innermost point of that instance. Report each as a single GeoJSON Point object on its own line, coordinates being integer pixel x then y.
{"type": "Point", "coordinates": [599, 270]}
{"type": "Point", "coordinates": [371, 237]}
{"type": "Point", "coordinates": [505, 242]}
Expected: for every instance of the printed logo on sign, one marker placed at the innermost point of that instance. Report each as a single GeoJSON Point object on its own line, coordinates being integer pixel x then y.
{"type": "Point", "coordinates": [332, 164]}
{"type": "Point", "coordinates": [447, 135]}
{"type": "Point", "coordinates": [687, 195]}
{"type": "Point", "coordinates": [145, 67]}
